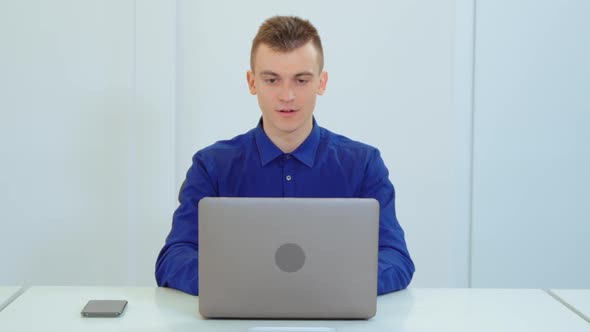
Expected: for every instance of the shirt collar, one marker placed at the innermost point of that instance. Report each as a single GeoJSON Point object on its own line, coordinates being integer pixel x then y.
{"type": "Point", "coordinates": [305, 152]}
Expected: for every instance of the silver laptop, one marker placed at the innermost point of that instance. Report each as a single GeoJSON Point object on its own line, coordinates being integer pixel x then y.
{"type": "Point", "coordinates": [304, 258]}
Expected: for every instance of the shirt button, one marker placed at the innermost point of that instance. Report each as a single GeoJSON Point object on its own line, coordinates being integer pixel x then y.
{"type": "Point", "coordinates": [288, 177]}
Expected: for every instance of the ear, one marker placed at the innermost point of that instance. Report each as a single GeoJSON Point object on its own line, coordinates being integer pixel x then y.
{"type": "Point", "coordinates": [250, 79]}
{"type": "Point", "coordinates": [323, 82]}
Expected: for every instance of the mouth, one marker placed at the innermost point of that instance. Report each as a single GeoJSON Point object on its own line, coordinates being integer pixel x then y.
{"type": "Point", "coordinates": [287, 110]}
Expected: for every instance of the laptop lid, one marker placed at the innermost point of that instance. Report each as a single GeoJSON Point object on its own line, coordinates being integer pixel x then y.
{"type": "Point", "coordinates": [307, 258]}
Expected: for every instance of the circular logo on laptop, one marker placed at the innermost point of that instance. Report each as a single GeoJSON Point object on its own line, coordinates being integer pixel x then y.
{"type": "Point", "coordinates": [290, 257]}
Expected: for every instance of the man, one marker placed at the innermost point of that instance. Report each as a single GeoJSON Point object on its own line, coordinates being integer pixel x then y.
{"type": "Point", "coordinates": [286, 155]}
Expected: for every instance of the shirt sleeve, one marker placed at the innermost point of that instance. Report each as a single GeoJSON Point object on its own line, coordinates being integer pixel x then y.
{"type": "Point", "coordinates": [395, 265]}
{"type": "Point", "coordinates": [177, 265]}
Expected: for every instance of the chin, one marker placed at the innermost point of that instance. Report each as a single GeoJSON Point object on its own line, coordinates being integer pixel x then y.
{"type": "Point", "coordinates": [287, 125]}
{"type": "Point", "coordinates": [288, 129]}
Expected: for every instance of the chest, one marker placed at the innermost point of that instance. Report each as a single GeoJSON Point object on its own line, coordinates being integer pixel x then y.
{"type": "Point", "coordinates": [291, 179]}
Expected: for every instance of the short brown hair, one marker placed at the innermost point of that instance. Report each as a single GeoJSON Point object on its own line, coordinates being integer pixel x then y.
{"type": "Point", "coordinates": [286, 33]}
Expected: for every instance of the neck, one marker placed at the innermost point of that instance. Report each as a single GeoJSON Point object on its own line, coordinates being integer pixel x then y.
{"type": "Point", "coordinates": [288, 142]}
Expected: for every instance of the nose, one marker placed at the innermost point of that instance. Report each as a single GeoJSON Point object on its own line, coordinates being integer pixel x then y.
{"type": "Point", "coordinates": [286, 94]}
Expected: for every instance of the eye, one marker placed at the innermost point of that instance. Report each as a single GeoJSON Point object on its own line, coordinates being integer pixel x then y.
{"type": "Point", "coordinates": [270, 80]}
{"type": "Point", "coordinates": [302, 82]}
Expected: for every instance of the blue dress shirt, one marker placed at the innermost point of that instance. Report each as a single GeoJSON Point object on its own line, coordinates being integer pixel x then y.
{"type": "Point", "coordinates": [250, 165]}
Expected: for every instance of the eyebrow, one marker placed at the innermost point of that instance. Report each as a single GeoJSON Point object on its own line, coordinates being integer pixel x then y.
{"type": "Point", "coordinates": [305, 73]}
{"type": "Point", "coordinates": [271, 73]}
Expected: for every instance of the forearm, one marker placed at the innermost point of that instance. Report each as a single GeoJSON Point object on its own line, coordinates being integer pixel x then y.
{"type": "Point", "coordinates": [396, 267]}
{"type": "Point", "coordinates": [395, 271]}
{"type": "Point", "coordinates": [177, 267]}
{"type": "Point", "coordinates": [395, 264]}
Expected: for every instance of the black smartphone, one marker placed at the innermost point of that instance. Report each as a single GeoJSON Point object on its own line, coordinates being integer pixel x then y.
{"type": "Point", "coordinates": [104, 308]}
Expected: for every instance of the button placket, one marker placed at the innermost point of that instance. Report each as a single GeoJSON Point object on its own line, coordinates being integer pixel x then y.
{"type": "Point", "coordinates": [288, 176]}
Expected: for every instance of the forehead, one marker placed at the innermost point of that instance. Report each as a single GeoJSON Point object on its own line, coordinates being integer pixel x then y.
{"type": "Point", "coordinates": [304, 58]}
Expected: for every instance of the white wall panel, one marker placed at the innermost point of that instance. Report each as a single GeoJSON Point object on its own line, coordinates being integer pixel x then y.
{"type": "Point", "coordinates": [391, 81]}
{"type": "Point", "coordinates": [86, 138]}
{"type": "Point", "coordinates": [66, 85]}
{"type": "Point", "coordinates": [532, 160]}
{"type": "Point", "coordinates": [153, 196]}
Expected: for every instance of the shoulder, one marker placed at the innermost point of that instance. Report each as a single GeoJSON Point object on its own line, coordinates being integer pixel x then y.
{"type": "Point", "coordinates": [361, 157]}
{"type": "Point", "coordinates": [226, 150]}
{"type": "Point", "coordinates": [342, 144]}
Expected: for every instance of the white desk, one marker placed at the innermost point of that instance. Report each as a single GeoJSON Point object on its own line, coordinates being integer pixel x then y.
{"type": "Point", "coordinates": [7, 294]}
{"type": "Point", "coordinates": [158, 309]}
{"type": "Point", "coordinates": [577, 299]}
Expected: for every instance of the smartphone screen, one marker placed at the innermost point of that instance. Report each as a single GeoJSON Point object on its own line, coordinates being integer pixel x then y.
{"type": "Point", "coordinates": [104, 308]}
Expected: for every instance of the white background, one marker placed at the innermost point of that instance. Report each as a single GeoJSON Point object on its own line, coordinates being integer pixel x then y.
{"type": "Point", "coordinates": [103, 104]}
{"type": "Point", "coordinates": [532, 158]}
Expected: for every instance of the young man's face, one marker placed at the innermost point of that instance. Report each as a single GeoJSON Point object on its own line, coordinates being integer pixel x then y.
{"type": "Point", "coordinates": [287, 85]}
